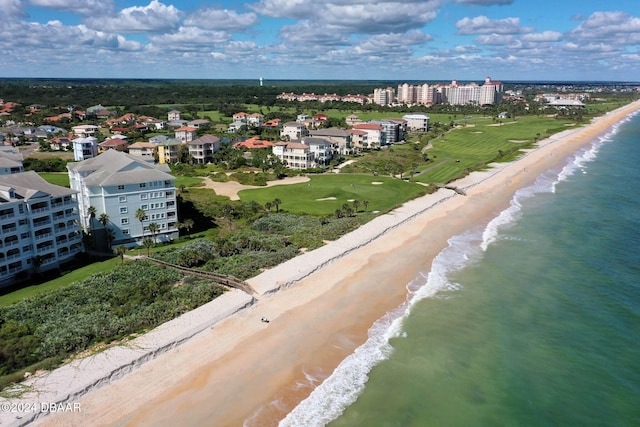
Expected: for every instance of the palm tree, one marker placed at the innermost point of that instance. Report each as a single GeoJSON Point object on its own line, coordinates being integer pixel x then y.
{"type": "Point", "coordinates": [147, 243]}
{"type": "Point", "coordinates": [268, 206]}
{"type": "Point", "coordinates": [188, 224]}
{"type": "Point", "coordinates": [141, 215]}
{"type": "Point", "coordinates": [103, 219]}
{"type": "Point", "coordinates": [91, 213]}
{"type": "Point", "coordinates": [366, 204]}
{"type": "Point", "coordinates": [120, 250]}
{"type": "Point", "coordinates": [277, 203]}
{"type": "Point", "coordinates": [110, 236]}
{"type": "Point", "coordinates": [356, 205]}
{"type": "Point", "coordinates": [154, 228]}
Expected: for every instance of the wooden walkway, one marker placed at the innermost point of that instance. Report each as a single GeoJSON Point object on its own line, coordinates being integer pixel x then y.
{"type": "Point", "coordinates": [222, 279]}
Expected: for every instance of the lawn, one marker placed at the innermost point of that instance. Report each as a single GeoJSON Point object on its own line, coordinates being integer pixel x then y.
{"type": "Point", "coordinates": [325, 194]}
{"type": "Point", "coordinates": [56, 178]}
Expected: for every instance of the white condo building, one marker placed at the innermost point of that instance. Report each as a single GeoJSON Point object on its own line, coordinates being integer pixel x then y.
{"type": "Point", "coordinates": [119, 184]}
{"type": "Point", "coordinates": [40, 226]}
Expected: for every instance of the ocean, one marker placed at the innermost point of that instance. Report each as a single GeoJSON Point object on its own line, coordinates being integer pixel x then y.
{"type": "Point", "coordinates": [530, 320]}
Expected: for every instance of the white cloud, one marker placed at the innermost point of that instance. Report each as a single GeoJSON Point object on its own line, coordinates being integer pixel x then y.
{"type": "Point", "coordinates": [189, 38]}
{"type": "Point", "coordinates": [483, 25]}
{"type": "Point", "coordinates": [84, 7]}
{"type": "Point", "coordinates": [546, 36]}
{"type": "Point", "coordinates": [156, 17]}
{"type": "Point", "coordinates": [484, 2]}
{"type": "Point", "coordinates": [221, 19]}
{"type": "Point", "coordinates": [12, 8]}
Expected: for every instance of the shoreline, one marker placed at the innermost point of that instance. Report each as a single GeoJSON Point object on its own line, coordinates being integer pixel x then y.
{"type": "Point", "coordinates": [232, 371]}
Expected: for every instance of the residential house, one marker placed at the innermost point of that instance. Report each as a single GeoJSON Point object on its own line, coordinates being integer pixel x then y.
{"type": "Point", "coordinates": [296, 155]}
{"type": "Point", "coordinates": [273, 123]}
{"type": "Point", "coordinates": [255, 119]}
{"type": "Point", "coordinates": [60, 143]}
{"type": "Point", "coordinates": [375, 137]}
{"type": "Point", "coordinates": [174, 116]}
{"type": "Point", "coordinates": [119, 184]}
{"type": "Point", "coordinates": [339, 138]}
{"type": "Point", "coordinates": [417, 122]}
{"type": "Point", "coordinates": [359, 139]}
{"type": "Point", "coordinates": [143, 150]}
{"type": "Point", "coordinates": [10, 160]}
{"type": "Point", "coordinates": [253, 142]}
{"type": "Point", "coordinates": [119, 144]}
{"type": "Point", "coordinates": [199, 123]}
{"type": "Point", "coordinates": [202, 149]}
{"type": "Point", "coordinates": [84, 131]}
{"type": "Point", "coordinates": [186, 133]}
{"type": "Point", "coordinates": [321, 149]}
{"type": "Point", "coordinates": [85, 148]}
{"type": "Point", "coordinates": [293, 131]}
{"type": "Point", "coordinates": [40, 226]}
{"type": "Point", "coordinates": [169, 150]}
{"type": "Point", "coordinates": [394, 129]}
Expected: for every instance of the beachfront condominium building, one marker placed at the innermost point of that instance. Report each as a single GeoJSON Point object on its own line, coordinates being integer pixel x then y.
{"type": "Point", "coordinates": [417, 122]}
{"type": "Point", "coordinates": [119, 184]}
{"type": "Point", "coordinates": [40, 226]}
{"type": "Point", "coordinates": [296, 155]}
{"type": "Point", "coordinates": [202, 149]}
{"type": "Point", "coordinates": [383, 96]}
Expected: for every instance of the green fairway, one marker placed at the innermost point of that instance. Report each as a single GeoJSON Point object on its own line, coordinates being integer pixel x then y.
{"type": "Point", "coordinates": [483, 141]}
{"type": "Point", "coordinates": [325, 194]}
{"type": "Point", "coordinates": [57, 178]}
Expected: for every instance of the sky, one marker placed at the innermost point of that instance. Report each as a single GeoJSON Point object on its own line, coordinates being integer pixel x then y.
{"type": "Point", "coordinates": [411, 40]}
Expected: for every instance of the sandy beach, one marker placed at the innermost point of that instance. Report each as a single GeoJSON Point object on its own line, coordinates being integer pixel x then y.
{"type": "Point", "coordinates": [241, 371]}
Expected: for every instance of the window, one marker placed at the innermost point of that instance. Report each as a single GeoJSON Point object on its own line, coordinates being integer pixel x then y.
{"type": "Point", "coordinates": [143, 196]}
{"type": "Point", "coordinates": [124, 221]}
{"type": "Point", "coordinates": [144, 207]}
{"type": "Point", "coordinates": [122, 199]}
{"type": "Point", "coordinates": [143, 184]}
{"type": "Point", "coordinates": [125, 231]}
{"type": "Point", "coordinates": [123, 210]}
{"type": "Point", "coordinates": [120, 187]}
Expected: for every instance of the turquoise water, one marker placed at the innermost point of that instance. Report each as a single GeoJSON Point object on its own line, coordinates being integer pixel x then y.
{"type": "Point", "coordinates": [531, 321]}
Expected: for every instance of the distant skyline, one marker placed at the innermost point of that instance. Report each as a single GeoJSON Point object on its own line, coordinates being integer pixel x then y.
{"type": "Point", "coordinates": [322, 39]}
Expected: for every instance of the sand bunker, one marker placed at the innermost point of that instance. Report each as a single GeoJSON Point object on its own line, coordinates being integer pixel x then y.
{"type": "Point", "coordinates": [377, 183]}
{"type": "Point", "coordinates": [327, 198]}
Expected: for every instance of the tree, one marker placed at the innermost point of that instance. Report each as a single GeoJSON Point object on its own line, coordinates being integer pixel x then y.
{"type": "Point", "coordinates": [147, 243]}
{"type": "Point", "coordinates": [121, 250]}
{"type": "Point", "coordinates": [154, 229]}
{"type": "Point", "coordinates": [268, 206]}
{"type": "Point", "coordinates": [104, 219]}
{"type": "Point", "coordinates": [366, 204]}
{"type": "Point", "coordinates": [188, 224]}
{"type": "Point", "coordinates": [277, 203]}
{"type": "Point", "coordinates": [356, 205]}
{"type": "Point", "coordinates": [141, 215]}
{"type": "Point", "coordinates": [91, 213]}
{"type": "Point", "coordinates": [110, 236]}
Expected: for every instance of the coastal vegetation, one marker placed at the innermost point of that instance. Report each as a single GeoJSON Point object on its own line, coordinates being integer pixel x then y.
{"type": "Point", "coordinates": [40, 333]}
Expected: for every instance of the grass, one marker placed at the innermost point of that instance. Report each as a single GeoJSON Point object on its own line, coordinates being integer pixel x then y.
{"type": "Point", "coordinates": [56, 178]}
{"type": "Point", "coordinates": [188, 181]}
{"type": "Point", "coordinates": [481, 142]}
{"type": "Point", "coordinates": [306, 198]}
{"type": "Point", "coordinates": [59, 282]}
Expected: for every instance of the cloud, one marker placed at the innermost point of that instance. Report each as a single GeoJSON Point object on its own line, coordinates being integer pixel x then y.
{"type": "Point", "coordinates": [484, 2]}
{"type": "Point", "coordinates": [84, 7]}
{"type": "Point", "coordinates": [483, 25]}
{"type": "Point", "coordinates": [307, 33]}
{"type": "Point", "coordinates": [544, 37]}
{"type": "Point", "coordinates": [354, 16]}
{"type": "Point", "coordinates": [189, 38]}
{"type": "Point", "coordinates": [156, 17]}
{"type": "Point", "coordinates": [12, 8]}
{"type": "Point", "coordinates": [221, 19]}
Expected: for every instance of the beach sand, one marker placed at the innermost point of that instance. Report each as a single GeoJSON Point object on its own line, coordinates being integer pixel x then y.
{"type": "Point", "coordinates": [244, 371]}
